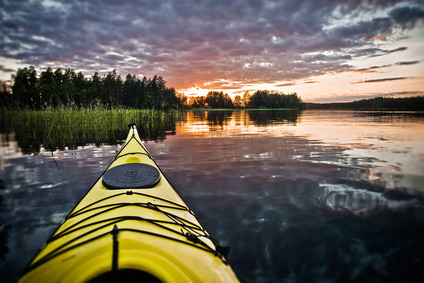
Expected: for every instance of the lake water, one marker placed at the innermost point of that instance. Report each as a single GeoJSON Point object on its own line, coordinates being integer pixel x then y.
{"type": "Point", "coordinates": [313, 196]}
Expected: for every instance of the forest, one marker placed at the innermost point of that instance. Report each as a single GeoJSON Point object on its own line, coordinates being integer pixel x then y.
{"type": "Point", "coordinates": [378, 103]}
{"type": "Point", "coordinates": [58, 89]}
{"type": "Point", "coordinates": [68, 89]}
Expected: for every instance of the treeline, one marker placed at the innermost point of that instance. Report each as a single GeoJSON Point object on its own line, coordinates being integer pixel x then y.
{"type": "Point", "coordinates": [67, 89]}
{"type": "Point", "coordinates": [214, 99]}
{"type": "Point", "coordinates": [74, 90]}
{"type": "Point", "coordinates": [266, 99]}
{"type": "Point", "coordinates": [379, 103]}
{"type": "Point", "coordinates": [259, 99]}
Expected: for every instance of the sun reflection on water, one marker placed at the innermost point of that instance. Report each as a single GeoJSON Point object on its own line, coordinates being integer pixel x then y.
{"type": "Point", "coordinates": [389, 145]}
{"type": "Point", "coordinates": [321, 194]}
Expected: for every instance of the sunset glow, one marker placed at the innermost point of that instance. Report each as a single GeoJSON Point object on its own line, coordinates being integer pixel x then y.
{"type": "Point", "coordinates": [324, 51]}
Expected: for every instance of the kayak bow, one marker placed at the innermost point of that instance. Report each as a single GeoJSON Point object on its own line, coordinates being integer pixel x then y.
{"type": "Point", "coordinates": [130, 226]}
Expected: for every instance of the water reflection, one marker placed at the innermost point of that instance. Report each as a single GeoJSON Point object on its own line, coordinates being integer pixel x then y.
{"type": "Point", "coordinates": [319, 195]}
{"type": "Point", "coordinates": [218, 120]}
{"type": "Point", "coordinates": [38, 195]}
{"type": "Point", "coordinates": [34, 130]}
{"type": "Point", "coordinates": [4, 249]}
{"type": "Point", "coordinates": [274, 117]}
{"type": "Point", "coordinates": [361, 200]}
{"type": "Point", "coordinates": [287, 218]}
{"type": "Point", "coordinates": [236, 122]}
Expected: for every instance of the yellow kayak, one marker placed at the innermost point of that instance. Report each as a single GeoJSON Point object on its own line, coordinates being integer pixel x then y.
{"type": "Point", "coordinates": [129, 227]}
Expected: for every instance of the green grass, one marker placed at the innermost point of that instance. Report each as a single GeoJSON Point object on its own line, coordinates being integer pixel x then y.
{"type": "Point", "coordinates": [57, 129]}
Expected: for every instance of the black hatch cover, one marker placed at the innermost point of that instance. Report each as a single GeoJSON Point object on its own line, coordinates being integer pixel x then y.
{"type": "Point", "coordinates": [131, 176]}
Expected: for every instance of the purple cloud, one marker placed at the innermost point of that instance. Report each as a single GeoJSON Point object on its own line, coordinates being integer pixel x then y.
{"type": "Point", "coordinates": [195, 42]}
{"type": "Point", "coordinates": [407, 63]}
{"type": "Point", "coordinates": [381, 80]}
{"type": "Point", "coordinates": [407, 16]}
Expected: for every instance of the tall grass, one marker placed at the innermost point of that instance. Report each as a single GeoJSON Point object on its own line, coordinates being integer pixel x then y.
{"type": "Point", "coordinates": [60, 128]}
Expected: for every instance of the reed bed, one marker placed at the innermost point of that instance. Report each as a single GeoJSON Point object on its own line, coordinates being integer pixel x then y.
{"type": "Point", "coordinates": [67, 128]}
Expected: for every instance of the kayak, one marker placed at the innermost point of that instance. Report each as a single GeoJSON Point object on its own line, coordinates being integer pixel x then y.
{"type": "Point", "coordinates": [129, 227]}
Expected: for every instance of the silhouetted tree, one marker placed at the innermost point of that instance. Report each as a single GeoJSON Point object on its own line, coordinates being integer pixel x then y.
{"type": "Point", "coordinates": [110, 90]}
{"type": "Point", "coordinates": [94, 90]}
{"type": "Point", "coordinates": [266, 99]}
{"type": "Point", "coordinates": [197, 102]}
{"type": "Point", "coordinates": [5, 96]}
{"type": "Point", "coordinates": [46, 87]}
{"type": "Point", "coordinates": [25, 88]}
{"type": "Point", "coordinates": [246, 99]}
{"type": "Point", "coordinates": [81, 92]}
{"type": "Point", "coordinates": [67, 89]}
{"type": "Point", "coordinates": [237, 101]}
{"type": "Point", "coordinates": [182, 100]}
{"type": "Point", "coordinates": [215, 99]}
{"type": "Point", "coordinates": [57, 86]}
{"type": "Point", "coordinates": [380, 103]}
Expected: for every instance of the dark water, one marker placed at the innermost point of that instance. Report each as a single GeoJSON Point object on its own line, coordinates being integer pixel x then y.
{"type": "Point", "coordinates": [311, 196]}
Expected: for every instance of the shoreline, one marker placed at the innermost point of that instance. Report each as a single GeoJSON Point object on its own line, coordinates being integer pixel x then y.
{"type": "Point", "coordinates": [124, 109]}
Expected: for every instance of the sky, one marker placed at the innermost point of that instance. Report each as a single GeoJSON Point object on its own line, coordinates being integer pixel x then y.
{"type": "Point", "coordinates": [324, 50]}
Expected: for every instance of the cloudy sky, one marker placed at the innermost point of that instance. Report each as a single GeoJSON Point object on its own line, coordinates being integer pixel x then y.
{"type": "Point", "coordinates": [325, 50]}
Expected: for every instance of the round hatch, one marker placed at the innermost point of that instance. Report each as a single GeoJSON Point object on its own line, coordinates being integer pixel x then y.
{"type": "Point", "coordinates": [131, 175]}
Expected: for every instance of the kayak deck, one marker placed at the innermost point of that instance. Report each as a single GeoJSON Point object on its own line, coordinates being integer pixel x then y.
{"type": "Point", "coordinates": [147, 229]}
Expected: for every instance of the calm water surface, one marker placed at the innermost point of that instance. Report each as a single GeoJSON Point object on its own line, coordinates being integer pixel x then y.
{"type": "Point", "coordinates": [314, 196]}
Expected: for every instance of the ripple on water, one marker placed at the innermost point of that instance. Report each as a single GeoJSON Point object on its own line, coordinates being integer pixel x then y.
{"type": "Point", "coordinates": [345, 197]}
